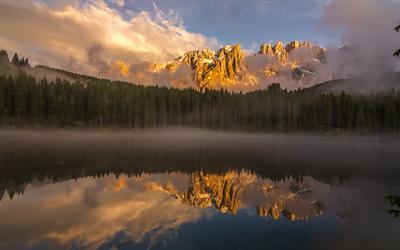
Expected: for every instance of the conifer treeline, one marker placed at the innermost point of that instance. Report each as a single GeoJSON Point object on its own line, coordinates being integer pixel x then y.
{"type": "Point", "coordinates": [16, 60]}
{"type": "Point", "coordinates": [101, 103]}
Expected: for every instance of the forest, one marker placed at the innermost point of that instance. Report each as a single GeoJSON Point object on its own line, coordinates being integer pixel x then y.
{"type": "Point", "coordinates": [98, 103]}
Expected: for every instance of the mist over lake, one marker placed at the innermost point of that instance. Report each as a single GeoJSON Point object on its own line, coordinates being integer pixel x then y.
{"type": "Point", "coordinates": [192, 149]}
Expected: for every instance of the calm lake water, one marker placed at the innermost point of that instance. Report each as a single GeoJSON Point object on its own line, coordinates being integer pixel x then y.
{"type": "Point", "coordinates": [193, 189]}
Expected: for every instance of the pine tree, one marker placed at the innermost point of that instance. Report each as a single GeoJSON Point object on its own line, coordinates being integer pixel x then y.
{"type": "Point", "coordinates": [15, 59]}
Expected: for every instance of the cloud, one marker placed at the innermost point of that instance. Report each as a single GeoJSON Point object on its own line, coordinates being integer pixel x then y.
{"type": "Point", "coordinates": [89, 37]}
{"type": "Point", "coordinates": [367, 26]}
{"type": "Point", "coordinates": [120, 3]}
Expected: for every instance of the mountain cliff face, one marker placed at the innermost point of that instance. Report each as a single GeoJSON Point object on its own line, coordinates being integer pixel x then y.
{"type": "Point", "coordinates": [281, 52]}
{"type": "Point", "coordinates": [297, 56]}
{"type": "Point", "coordinates": [227, 66]}
{"type": "Point", "coordinates": [210, 68]}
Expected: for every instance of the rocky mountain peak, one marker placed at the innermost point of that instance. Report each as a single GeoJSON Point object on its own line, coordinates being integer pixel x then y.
{"type": "Point", "coordinates": [296, 44]}
{"type": "Point", "coordinates": [225, 67]}
{"type": "Point", "coordinates": [279, 47]}
{"type": "Point", "coordinates": [266, 49]}
{"type": "Point", "coordinates": [210, 67]}
{"type": "Point", "coordinates": [281, 51]}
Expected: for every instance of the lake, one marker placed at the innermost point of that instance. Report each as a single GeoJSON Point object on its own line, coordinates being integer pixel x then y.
{"type": "Point", "coordinates": [193, 189]}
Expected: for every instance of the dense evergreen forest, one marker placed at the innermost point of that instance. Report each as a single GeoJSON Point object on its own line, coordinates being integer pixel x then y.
{"type": "Point", "coordinates": [25, 101]}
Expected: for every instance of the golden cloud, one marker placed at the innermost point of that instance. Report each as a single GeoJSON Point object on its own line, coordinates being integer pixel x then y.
{"type": "Point", "coordinates": [63, 37]}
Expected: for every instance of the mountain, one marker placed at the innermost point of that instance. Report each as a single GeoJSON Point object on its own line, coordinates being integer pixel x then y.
{"type": "Point", "coordinates": [224, 66]}
{"type": "Point", "coordinates": [231, 68]}
{"type": "Point", "coordinates": [229, 65]}
{"type": "Point", "coordinates": [296, 55]}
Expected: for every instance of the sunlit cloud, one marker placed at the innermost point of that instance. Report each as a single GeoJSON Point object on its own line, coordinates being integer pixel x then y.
{"type": "Point", "coordinates": [63, 36]}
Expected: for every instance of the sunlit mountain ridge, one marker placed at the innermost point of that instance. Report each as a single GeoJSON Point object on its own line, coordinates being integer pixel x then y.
{"type": "Point", "coordinates": [231, 67]}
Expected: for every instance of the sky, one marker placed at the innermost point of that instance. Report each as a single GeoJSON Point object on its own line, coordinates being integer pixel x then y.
{"type": "Point", "coordinates": [98, 36]}
{"type": "Point", "coordinates": [232, 21]}
{"type": "Point", "coordinates": [248, 22]}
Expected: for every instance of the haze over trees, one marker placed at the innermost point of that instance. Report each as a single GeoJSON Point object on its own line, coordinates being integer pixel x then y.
{"type": "Point", "coordinates": [25, 101]}
{"type": "Point", "coordinates": [19, 61]}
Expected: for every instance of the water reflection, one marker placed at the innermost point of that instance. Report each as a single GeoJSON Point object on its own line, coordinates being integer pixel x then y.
{"type": "Point", "coordinates": [151, 210]}
{"type": "Point", "coordinates": [230, 191]}
{"type": "Point", "coordinates": [169, 191]}
{"type": "Point", "coordinates": [88, 213]}
{"type": "Point", "coordinates": [227, 193]}
{"type": "Point", "coordinates": [394, 201]}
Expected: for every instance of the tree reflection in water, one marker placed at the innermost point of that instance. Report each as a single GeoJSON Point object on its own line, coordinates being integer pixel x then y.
{"type": "Point", "coordinates": [395, 203]}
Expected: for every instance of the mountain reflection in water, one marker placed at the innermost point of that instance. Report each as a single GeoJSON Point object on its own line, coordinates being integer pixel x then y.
{"type": "Point", "coordinates": [228, 192]}
{"type": "Point", "coordinates": [130, 191]}
{"type": "Point", "coordinates": [149, 210]}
